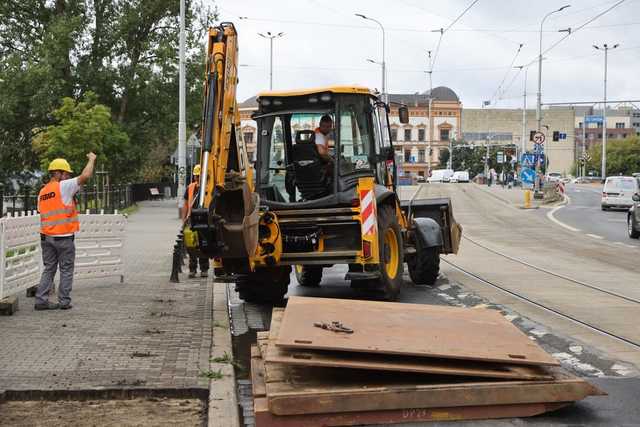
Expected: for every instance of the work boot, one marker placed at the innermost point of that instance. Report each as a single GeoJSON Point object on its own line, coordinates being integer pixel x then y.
{"type": "Point", "coordinates": [66, 306]}
{"type": "Point", "coordinates": [192, 274]}
{"type": "Point", "coordinates": [47, 306]}
{"type": "Point", "coordinates": [204, 274]}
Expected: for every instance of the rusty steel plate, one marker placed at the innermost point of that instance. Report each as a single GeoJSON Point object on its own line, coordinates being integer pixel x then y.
{"type": "Point", "coordinates": [264, 418]}
{"type": "Point", "coordinates": [386, 362]}
{"type": "Point", "coordinates": [408, 329]}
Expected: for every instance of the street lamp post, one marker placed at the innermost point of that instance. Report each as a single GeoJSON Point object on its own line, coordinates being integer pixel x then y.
{"type": "Point", "coordinates": [430, 136]}
{"type": "Point", "coordinates": [182, 122]}
{"type": "Point", "coordinates": [384, 66]}
{"type": "Point", "coordinates": [523, 146]}
{"type": "Point", "coordinates": [270, 36]}
{"type": "Point", "coordinates": [606, 49]}
{"type": "Point", "coordinates": [539, 106]}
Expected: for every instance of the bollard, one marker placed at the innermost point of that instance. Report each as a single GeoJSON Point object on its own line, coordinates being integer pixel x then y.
{"type": "Point", "coordinates": [527, 199]}
{"type": "Point", "coordinates": [176, 253]}
{"type": "Point", "coordinates": [174, 269]}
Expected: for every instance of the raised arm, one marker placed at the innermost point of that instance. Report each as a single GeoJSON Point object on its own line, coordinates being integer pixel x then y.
{"type": "Point", "coordinates": [87, 172]}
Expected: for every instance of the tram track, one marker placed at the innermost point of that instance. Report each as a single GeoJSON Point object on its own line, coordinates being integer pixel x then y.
{"type": "Point", "coordinates": [550, 308]}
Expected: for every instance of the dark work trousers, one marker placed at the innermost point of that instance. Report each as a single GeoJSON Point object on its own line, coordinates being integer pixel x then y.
{"type": "Point", "coordinates": [56, 252]}
{"type": "Point", "coordinates": [193, 264]}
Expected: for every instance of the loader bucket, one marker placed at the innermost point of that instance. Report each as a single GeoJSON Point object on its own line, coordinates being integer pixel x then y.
{"type": "Point", "coordinates": [440, 210]}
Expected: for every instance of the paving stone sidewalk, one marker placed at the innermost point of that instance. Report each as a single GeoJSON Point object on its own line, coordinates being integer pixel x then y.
{"type": "Point", "coordinates": [143, 333]}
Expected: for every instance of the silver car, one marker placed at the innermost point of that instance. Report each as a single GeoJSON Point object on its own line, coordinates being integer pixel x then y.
{"type": "Point", "coordinates": [618, 192]}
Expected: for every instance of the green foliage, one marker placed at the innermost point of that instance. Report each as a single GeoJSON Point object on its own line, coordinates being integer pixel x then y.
{"type": "Point", "coordinates": [82, 127]}
{"type": "Point", "coordinates": [472, 159]}
{"type": "Point", "coordinates": [124, 51]}
{"type": "Point", "coordinates": [623, 157]}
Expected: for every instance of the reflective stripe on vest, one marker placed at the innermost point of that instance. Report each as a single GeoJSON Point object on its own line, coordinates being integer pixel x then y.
{"type": "Point", "coordinates": [56, 217]}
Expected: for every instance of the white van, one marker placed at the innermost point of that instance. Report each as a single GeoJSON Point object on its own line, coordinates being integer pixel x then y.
{"type": "Point", "coordinates": [459, 176]}
{"type": "Point", "coordinates": [618, 192]}
{"type": "Point", "coordinates": [440, 175]}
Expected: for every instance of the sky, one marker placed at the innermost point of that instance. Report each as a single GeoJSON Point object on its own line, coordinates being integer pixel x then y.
{"type": "Point", "coordinates": [324, 43]}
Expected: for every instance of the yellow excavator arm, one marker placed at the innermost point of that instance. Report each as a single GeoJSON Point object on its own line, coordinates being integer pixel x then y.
{"type": "Point", "coordinates": [227, 206]}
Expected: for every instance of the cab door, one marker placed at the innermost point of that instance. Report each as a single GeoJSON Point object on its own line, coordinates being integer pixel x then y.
{"type": "Point", "coordinates": [385, 167]}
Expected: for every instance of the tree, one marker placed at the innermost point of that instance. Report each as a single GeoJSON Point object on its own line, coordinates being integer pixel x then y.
{"type": "Point", "coordinates": [623, 157]}
{"type": "Point", "coordinates": [83, 127]}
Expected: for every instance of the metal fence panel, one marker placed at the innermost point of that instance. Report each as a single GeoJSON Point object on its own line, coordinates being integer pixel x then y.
{"type": "Point", "coordinates": [99, 250]}
{"type": "Point", "coordinates": [20, 258]}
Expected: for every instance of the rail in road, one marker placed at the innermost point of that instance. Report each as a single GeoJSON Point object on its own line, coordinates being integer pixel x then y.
{"type": "Point", "coordinates": [558, 280]}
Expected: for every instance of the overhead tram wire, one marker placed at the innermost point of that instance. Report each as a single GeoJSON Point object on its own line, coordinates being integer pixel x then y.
{"type": "Point", "coordinates": [513, 61]}
{"type": "Point", "coordinates": [575, 30]}
{"type": "Point", "coordinates": [444, 30]}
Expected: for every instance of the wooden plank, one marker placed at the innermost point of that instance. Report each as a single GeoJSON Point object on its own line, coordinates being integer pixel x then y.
{"type": "Point", "coordinates": [295, 390]}
{"type": "Point", "coordinates": [258, 386]}
{"type": "Point", "coordinates": [266, 419]}
{"type": "Point", "coordinates": [275, 354]}
{"type": "Point", "coordinates": [408, 329]}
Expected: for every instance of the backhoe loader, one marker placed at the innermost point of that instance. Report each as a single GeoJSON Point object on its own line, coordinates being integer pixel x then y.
{"type": "Point", "coordinates": [303, 210]}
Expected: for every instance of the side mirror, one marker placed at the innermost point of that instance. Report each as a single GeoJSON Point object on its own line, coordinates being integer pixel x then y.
{"type": "Point", "coordinates": [636, 197]}
{"type": "Point", "coordinates": [403, 114]}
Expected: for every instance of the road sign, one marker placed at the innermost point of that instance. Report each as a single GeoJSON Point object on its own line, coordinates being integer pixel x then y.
{"type": "Point", "coordinates": [528, 176]}
{"type": "Point", "coordinates": [563, 136]}
{"type": "Point", "coordinates": [538, 148]}
{"type": "Point", "coordinates": [500, 157]}
{"type": "Point", "coordinates": [529, 160]}
{"type": "Point", "coordinates": [538, 138]}
{"type": "Point", "coordinates": [594, 119]}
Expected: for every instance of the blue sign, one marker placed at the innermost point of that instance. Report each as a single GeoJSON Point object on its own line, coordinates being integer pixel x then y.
{"type": "Point", "coordinates": [538, 148]}
{"type": "Point", "coordinates": [527, 176]}
{"type": "Point", "coordinates": [529, 160]}
{"type": "Point", "coordinates": [594, 119]}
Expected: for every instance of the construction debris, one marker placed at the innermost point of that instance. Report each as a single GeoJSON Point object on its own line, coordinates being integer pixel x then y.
{"type": "Point", "coordinates": [362, 378]}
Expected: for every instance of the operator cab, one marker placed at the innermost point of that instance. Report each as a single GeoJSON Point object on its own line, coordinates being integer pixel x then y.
{"type": "Point", "coordinates": [292, 171]}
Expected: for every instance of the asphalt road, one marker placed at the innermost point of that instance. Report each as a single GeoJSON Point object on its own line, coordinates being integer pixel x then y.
{"type": "Point", "coordinates": [584, 213]}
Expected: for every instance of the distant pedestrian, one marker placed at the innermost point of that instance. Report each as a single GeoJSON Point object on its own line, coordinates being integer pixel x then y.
{"type": "Point", "coordinates": [58, 223]}
{"type": "Point", "coordinates": [191, 197]}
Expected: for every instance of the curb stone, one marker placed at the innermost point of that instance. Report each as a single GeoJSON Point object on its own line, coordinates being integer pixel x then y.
{"type": "Point", "coordinates": [223, 402]}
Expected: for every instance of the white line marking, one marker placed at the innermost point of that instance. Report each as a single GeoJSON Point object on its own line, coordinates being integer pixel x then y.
{"type": "Point", "coordinates": [595, 236]}
{"type": "Point", "coordinates": [560, 223]}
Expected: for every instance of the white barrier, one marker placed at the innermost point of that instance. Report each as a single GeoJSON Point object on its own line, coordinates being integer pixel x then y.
{"type": "Point", "coordinates": [99, 250]}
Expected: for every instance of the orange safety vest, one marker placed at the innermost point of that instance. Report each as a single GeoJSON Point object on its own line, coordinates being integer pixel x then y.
{"type": "Point", "coordinates": [191, 190]}
{"type": "Point", "coordinates": [56, 217]}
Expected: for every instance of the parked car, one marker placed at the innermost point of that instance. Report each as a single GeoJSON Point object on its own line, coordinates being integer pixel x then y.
{"type": "Point", "coordinates": [420, 179]}
{"type": "Point", "coordinates": [633, 218]}
{"type": "Point", "coordinates": [554, 177]}
{"type": "Point", "coordinates": [459, 176]}
{"type": "Point", "coordinates": [618, 192]}
{"type": "Point", "coordinates": [440, 175]}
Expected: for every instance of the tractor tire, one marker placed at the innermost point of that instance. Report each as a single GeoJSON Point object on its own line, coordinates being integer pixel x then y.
{"type": "Point", "coordinates": [264, 286]}
{"type": "Point", "coordinates": [308, 276]}
{"type": "Point", "coordinates": [391, 253]}
{"type": "Point", "coordinates": [424, 267]}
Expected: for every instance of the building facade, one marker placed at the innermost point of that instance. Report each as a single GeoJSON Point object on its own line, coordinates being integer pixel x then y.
{"type": "Point", "coordinates": [622, 122]}
{"type": "Point", "coordinates": [497, 126]}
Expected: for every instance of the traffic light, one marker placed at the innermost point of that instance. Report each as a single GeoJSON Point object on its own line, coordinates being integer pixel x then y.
{"type": "Point", "coordinates": [533, 132]}
{"type": "Point", "coordinates": [556, 135]}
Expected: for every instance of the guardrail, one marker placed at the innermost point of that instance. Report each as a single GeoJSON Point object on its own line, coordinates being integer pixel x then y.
{"type": "Point", "coordinates": [92, 200]}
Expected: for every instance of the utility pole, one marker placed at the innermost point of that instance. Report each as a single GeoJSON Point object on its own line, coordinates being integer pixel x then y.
{"type": "Point", "coordinates": [271, 37]}
{"type": "Point", "coordinates": [523, 142]}
{"type": "Point", "coordinates": [606, 49]}
{"type": "Point", "coordinates": [182, 125]}
{"type": "Point", "coordinates": [584, 149]}
{"type": "Point", "coordinates": [430, 136]}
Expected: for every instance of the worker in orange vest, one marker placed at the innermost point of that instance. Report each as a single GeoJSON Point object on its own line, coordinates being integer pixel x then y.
{"type": "Point", "coordinates": [190, 197]}
{"type": "Point", "coordinates": [58, 223]}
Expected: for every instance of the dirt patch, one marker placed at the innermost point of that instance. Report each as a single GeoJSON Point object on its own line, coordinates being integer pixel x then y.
{"type": "Point", "coordinates": [105, 413]}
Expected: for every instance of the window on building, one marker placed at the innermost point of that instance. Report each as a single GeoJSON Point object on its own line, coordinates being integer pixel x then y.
{"type": "Point", "coordinates": [421, 156]}
{"type": "Point", "coordinates": [599, 136]}
{"type": "Point", "coordinates": [420, 173]}
{"type": "Point", "coordinates": [407, 134]}
{"type": "Point", "coordinates": [394, 135]}
{"type": "Point", "coordinates": [579, 125]}
{"type": "Point", "coordinates": [407, 156]}
{"type": "Point", "coordinates": [619, 125]}
{"type": "Point", "coordinates": [248, 137]}
{"type": "Point", "coordinates": [421, 134]}
{"type": "Point", "coordinates": [444, 134]}
{"type": "Point", "coordinates": [610, 135]}
{"type": "Point", "coordinates": [636, 124]}
{"type": "Point", "coordinates": [599, 125]}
